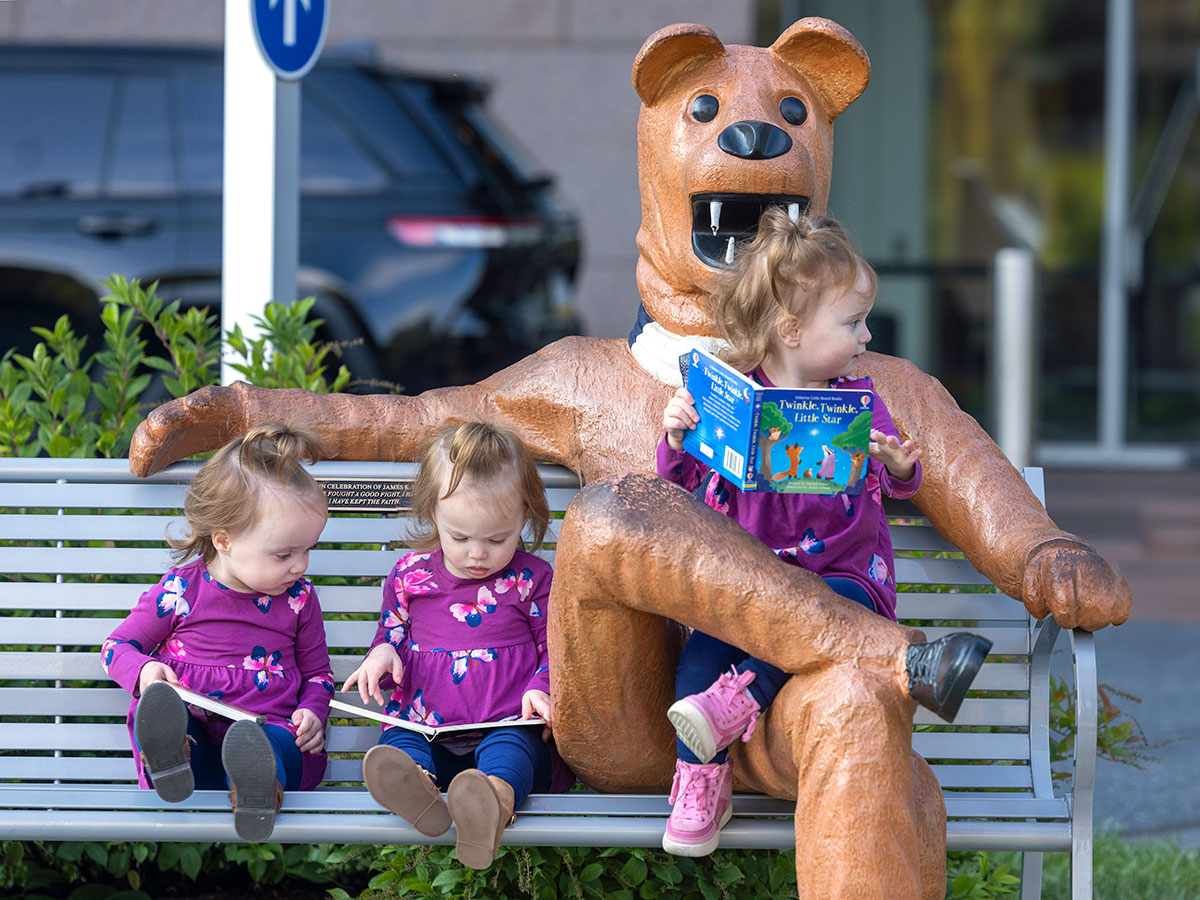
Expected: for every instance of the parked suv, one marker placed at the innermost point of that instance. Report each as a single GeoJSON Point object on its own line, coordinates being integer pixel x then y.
{"type": "Point", "coordinates": [423, 229]}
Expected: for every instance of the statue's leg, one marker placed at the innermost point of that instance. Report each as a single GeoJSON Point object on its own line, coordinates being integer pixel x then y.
{"type": "Point", "coordinates": [870, 819]}
{"type": "Point", "coordinates": [636, 551]}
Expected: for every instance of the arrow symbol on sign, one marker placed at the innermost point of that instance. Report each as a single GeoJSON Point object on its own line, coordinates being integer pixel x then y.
{"type": "Point", "coordinates": [289, 18]}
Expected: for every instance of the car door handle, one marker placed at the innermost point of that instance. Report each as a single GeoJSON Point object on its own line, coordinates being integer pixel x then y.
{"type": "Point", "coordinates": [114, 226]}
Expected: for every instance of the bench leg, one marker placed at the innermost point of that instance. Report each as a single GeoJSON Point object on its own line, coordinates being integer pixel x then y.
{"type": "Point", "coordinates": [1031, 876]}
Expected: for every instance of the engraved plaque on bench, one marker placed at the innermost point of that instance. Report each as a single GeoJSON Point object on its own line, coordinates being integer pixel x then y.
{"type": "Point", "coordinates": [388, 496]}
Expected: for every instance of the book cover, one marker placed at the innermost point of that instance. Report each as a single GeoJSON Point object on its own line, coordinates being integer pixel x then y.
{"type": "Point", "coordinates": [787, 440]}
{"type": "Point", "coordinates": [430, 731]}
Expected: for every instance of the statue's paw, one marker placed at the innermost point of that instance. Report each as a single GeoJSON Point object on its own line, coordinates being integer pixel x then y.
{"type": "Point", "coordinates": [204, 419]}
{"type": "Point", "coordinates": [1072, 582]}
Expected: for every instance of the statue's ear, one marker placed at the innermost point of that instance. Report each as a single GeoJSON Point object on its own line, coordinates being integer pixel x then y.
{"type": "Point", "coordinates": [829, 57]}
{"type": "Point", "coordinates": [667, 53]}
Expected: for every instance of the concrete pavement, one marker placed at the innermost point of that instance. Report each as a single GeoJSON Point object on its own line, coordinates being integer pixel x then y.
{"type": "Point", "coordinates": [1148, 525]}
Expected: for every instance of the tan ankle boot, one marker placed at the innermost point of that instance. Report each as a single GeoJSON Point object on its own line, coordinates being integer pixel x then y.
{"type": "Point", "coordinates": [482, 807]}
{"type": "Point", "coordinates": [398, 784]}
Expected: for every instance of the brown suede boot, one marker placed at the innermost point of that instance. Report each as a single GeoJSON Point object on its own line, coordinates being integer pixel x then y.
{"type": "Point", "coordinates": [482, 807]}
{"type": "Point", "coordinates": [400, 786]}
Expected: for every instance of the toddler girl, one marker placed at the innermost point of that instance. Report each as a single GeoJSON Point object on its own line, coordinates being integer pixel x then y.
{"type": "Point", "coordinates": [793, 308]}
{"type": "Point", "coordinates": [240, 623]}
{"type": "Point", "coordinates": [462, 639]}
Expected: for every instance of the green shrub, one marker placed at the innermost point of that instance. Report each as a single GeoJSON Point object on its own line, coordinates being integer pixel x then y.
{"type": "Point", "coordinates": [59, 402]}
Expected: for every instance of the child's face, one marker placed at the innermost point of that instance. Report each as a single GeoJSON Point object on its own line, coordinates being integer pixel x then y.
{"type": "Point", "coordinates": [267, 558]}
{"type": "Point", "coordinates": [478, 535]}
{"type": "Point", "coordinates": [831, 342]}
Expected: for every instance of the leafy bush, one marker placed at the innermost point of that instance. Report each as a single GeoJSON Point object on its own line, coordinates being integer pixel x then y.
{"type": "Point", "coordinates": [60, 403]}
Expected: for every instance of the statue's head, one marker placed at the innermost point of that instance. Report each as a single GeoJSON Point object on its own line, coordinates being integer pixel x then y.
{"type": "Point", "coordinates": [723, 132]}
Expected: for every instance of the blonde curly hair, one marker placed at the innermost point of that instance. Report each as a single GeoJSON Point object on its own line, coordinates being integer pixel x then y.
{"type": "Point", "coordinates": [783, 271]}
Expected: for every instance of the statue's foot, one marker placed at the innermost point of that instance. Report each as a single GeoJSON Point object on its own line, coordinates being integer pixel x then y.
{"type": "Point", "coordinates": [941, 671]}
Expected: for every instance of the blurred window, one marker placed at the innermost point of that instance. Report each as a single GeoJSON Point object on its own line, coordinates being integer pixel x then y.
{"type": "Point", "coordinates": [141, 143]}
{"type": "Point", "coordinates": [53, 132]}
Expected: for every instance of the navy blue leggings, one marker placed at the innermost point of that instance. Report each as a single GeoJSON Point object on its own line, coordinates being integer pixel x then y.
{"type": "Point", "coordinates": [705, 658]}
{"type": "Point", "coordinates": [209, 772]}
{"type": "Point", "coordinates": [516, 754]}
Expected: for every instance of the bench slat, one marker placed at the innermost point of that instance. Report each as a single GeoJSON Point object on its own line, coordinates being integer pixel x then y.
{"type": "Point", "coordinates": [979, 745]}
{"type": "Point", "coordinates": [957, 606]}
{"type": "Point", "coordinates": [912, 570]}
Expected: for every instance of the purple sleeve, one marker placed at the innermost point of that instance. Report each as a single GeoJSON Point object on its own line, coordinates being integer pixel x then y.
{"type": "Point", "coordinates": [391, 619]}
{"type": "Point", "coordinates": [312, 659]}
{"type": "Point", "coordinates": [679, 467]}
{"type": "Point", "coordinates": [128, 648]}
{"type": "Point", "coordinates": [881, 420]}
{"type": "Point", "coordinates": [540, 601]}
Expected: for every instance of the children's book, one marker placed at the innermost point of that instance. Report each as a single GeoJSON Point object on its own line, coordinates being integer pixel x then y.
{"type": "Point", "coordinates": [787, 440]}
{"type": "Point", "coordinates": [220, 707]}
{"type": "Point", "coordinates": [430, 731]}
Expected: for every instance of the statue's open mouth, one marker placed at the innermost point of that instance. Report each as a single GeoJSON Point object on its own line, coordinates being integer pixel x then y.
{"type": "Point", "coordinates": [721, 221]}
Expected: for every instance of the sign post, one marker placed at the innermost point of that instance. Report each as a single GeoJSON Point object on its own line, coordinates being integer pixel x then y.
{"type": "Point", "coordinates": [268, 48]}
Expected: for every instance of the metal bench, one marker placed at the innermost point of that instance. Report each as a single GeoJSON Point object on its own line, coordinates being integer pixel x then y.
{"type": "Point", "coordinates": [81, 539]}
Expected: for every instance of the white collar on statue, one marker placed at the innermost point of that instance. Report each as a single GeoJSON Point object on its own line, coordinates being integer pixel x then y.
{"type": "Point", "coordinates": [658, 350]}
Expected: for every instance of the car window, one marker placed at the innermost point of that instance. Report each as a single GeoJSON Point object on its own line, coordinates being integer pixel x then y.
{"type": "Point", "coordinates": [141, 150]}
{"type": "Point", "coordinates": [53, 132]}
{"type": "Point", "coordinates": [330, 161]}
{"type": "Point", "coordinates": [379, 122]}
{"type": "Point", "coordinates": [201, 128]}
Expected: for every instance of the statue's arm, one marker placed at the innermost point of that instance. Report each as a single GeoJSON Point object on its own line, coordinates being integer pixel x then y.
{"type": "Point", "coordinates": [367, 426]}
{"type": "Point", "coordinates": [977, 500]}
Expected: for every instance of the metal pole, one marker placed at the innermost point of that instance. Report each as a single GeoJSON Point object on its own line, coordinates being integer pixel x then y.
{"type": "Point", "coordinates": [1113, 363]}
{"type": "Point", "coordinates": [1014, 354]}
{"type": "Point", "coordinates": [260, 230]}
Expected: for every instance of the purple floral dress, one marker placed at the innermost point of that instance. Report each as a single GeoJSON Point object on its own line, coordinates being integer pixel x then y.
{"type": "Point", "coordinates": [838, 535]}
{"type": "Point", "coordinates": [265, 654]}
{"type": "Point", "coordinates": [470, 647]}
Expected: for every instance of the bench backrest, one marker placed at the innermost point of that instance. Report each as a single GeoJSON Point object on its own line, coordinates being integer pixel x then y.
{"type": "Point", "coordinates": [81, 539]}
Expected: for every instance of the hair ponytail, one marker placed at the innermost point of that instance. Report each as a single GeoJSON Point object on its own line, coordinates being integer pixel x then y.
{"type": "Point", "coordinates": [490, 461]}
{"type": "Point", "coordinates": [227, 493]}
{"type": "Point", "coordinates": [783, 271]}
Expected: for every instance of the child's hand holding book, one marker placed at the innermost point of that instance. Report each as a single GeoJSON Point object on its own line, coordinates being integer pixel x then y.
{"type": "Point", "coordinates": [379, 663]}
{"type": "Point", "coordinates": [536, 703]}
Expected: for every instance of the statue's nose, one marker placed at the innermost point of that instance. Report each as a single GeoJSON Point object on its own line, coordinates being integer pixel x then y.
{"type": "Point", "coordinates": [754, 140]}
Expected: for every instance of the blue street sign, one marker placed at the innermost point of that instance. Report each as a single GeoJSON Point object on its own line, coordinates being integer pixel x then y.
{"type": "Point", "coordinates": [290, 34]}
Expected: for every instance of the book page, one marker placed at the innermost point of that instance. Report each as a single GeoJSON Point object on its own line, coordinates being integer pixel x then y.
{"type": "Point", "coordinates": [220, 707]}
{"type": "Point", "coordinates": [430, 731]}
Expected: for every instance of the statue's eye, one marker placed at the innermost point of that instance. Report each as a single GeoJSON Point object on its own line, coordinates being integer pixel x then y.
{"type": "Point", "coordinates": [704, 108]}
{"type": "Point", "coordinates": [794, 110]}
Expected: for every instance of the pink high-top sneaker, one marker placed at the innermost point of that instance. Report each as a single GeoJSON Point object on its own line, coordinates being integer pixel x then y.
{"type": "Point", "coordinates": [710, 721]}
{"type": "Point", "coordinates": [702, 802]}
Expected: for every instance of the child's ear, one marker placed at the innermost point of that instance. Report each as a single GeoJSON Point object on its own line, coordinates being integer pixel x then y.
{"type": "Point", "coordinates": [789, 331]}
{"type": "Point", "coordinates": [220, 540]}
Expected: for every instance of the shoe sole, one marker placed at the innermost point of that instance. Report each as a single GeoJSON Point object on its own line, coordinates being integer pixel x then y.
{"type": "Point", "coordinates": [967, 670]}
{"type": "Point", "coordinates": [475, 809]}
{"type": "Point", "coordinates": [160, 726]}
{"type": "Point", "coordinates": [693, 729]}
{"type": "Point", "coordinates": [397, 784]}
{"type": "Point", "coordinates": [249, 762]}
{"type": "Point", "coordinates": [696, 850]}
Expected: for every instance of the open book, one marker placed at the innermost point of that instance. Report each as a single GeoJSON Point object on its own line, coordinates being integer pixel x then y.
{"type": "Point", "coordinates": [787, 440]}
{"type": "Point", "coordinates": [430, 731]}
{"type": "Point", "coordinates": [220, 707]}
